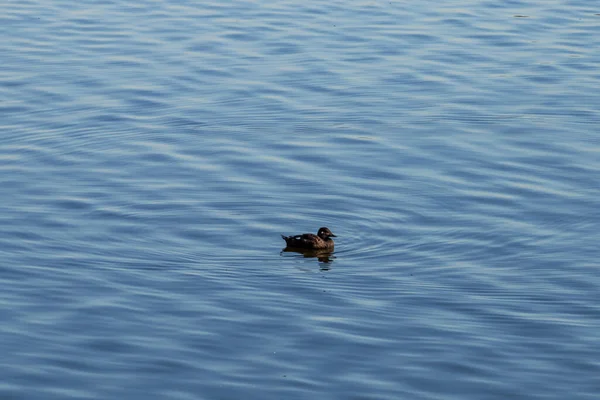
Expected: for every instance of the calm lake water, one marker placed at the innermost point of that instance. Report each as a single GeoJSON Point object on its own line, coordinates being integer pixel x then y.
{"type": "Point", "coordinates": [152, 152]}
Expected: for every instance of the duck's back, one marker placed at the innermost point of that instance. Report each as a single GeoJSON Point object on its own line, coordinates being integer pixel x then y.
{"type": "Point", "coordinates": [307, 241]}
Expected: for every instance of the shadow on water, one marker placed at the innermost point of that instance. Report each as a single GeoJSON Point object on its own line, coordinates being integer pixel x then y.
{"type": "Point", "coordinates": [324, 257]}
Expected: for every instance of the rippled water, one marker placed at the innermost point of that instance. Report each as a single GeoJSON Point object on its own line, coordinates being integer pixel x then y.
{"type": "Point", "coordinates": [153, 152]}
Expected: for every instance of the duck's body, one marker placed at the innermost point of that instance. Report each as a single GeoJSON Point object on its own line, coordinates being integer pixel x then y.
{"type": "Point", "coordinates": [321, 241]}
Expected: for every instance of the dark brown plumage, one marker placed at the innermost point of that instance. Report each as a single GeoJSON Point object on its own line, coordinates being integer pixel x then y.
{"type": "Point", "coordinates": [321, 241]}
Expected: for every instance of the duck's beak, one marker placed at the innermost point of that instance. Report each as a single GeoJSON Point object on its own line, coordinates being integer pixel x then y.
{"type": "Point", "coordinates": [332, 235]}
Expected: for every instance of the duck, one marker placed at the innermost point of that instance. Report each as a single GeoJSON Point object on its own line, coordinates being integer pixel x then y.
{"type": "Point", "coordinates": [321, 241]}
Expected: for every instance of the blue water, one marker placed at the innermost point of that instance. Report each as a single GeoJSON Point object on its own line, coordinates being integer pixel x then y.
{"type": "Point", "coordinates": [151, 154]}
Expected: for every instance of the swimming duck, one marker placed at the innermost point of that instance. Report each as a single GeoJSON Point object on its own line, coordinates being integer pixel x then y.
{"type": "Point", "coordinates": [322, 240]}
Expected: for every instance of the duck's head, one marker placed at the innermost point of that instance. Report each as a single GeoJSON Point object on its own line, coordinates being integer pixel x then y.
{"type": "Point", "coordinates": [324, 233]}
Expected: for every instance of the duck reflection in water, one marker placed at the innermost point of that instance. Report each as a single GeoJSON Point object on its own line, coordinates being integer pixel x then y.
{"type": "Point", "coordinates": [320, 245]}
{"type": "Point", "coordinates": [323, 256]}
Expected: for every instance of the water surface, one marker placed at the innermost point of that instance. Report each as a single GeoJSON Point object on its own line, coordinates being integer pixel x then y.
{"type": "Point", "coordinates": [152, 153]}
